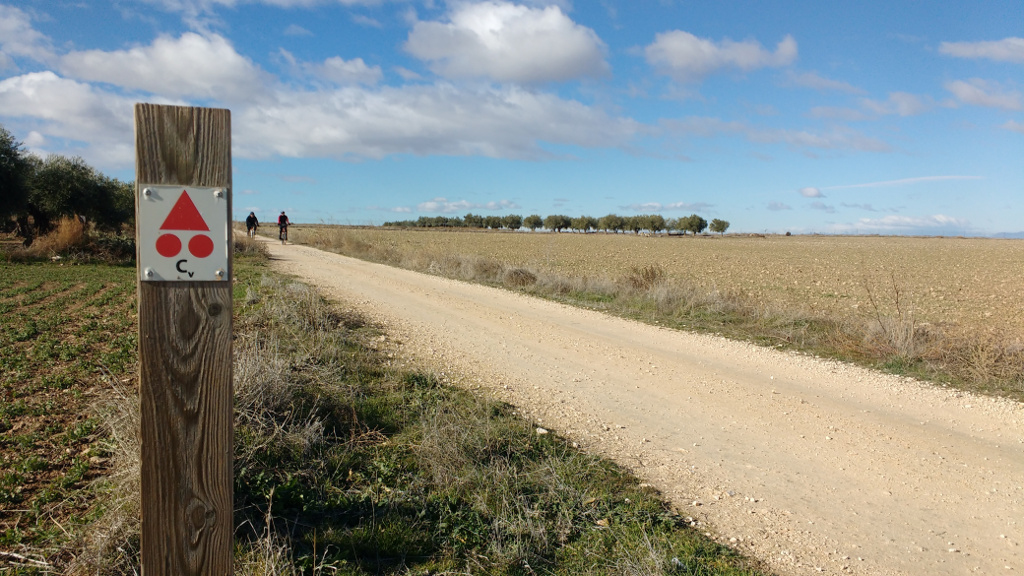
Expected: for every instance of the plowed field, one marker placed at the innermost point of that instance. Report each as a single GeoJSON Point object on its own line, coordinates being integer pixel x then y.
{"type": "Point", "coordinates": [972, 284]}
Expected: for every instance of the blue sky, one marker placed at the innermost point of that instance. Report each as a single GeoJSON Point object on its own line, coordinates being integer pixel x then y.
{"type": "Point", "coordinates": [897, 117]}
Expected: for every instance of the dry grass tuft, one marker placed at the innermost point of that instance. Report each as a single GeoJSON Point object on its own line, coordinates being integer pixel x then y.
{"type": "Point", "coordinates": [112, 544]}
{"type": "Point", "coordinates": [519, 278]}
{"type": "Point", "coordinates": [246, 246]}
{"type": "Point", "coordinates": [644, 278]}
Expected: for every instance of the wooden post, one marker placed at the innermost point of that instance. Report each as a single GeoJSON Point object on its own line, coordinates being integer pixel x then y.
{"type": "Point", "coordinates": [185, 364]}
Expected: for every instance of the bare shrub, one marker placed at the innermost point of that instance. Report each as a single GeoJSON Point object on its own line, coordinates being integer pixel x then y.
{"type": "Point", "coordinates": [244, 245]}
{"type": "Point", "coordinates": [643, 278]}
{"type": "Point", "coordinates": [485, 270]}
{"type": "Point", "coordinates": [519, 278]}
{"type": "Point", "coordinates": [447, 265]}
{"type": "Point", "coordinates": [988, 358]}
{"type": "Point", "coordinates": [892, 329]}
{"type": "Point", "coordinates": [69, 234]}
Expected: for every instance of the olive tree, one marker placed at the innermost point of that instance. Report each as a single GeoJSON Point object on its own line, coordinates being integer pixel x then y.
{"type": "Point", "coordinates": [583, 223]}
{"type": "Point", "coordinates": [656, 223]}
{"type": "Point", "coordinates": [533, 221]}
{"type": "Point", "coordinates": [719, 226]}
{"type": "Point", "coordinates": [557, 222]}
{"type": "Point", "coordinates": [694, 223]}
{"type": "Point", "coordinates": [611, 223]}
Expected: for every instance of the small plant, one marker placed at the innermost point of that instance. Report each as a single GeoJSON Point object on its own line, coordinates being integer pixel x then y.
{"type": "Point", "coordinates": [246, 246]}
{"type": "Point", "coordinates": [644, 278]}
{"type": "Point", "coordinates": [893, 331]}
{"type": "Point", "coordinates": [519, 278]}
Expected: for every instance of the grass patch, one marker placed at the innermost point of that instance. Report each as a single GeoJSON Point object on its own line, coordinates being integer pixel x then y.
{"type": "Point", "coordinates": [57, 340]}
{"type": "Point", "coordinates": [884, 332]}
{"type": "Point", "coordinates": [343, 463]}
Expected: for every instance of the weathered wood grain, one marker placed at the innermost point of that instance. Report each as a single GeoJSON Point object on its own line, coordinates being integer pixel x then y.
{"type": "Point", "coordinates": [185, 366]}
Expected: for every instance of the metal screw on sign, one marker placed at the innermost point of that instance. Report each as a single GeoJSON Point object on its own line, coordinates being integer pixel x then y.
{"type": "Point", "coordinates": [219, 193]}
{"type": "Point", "coordinates": [219, 274]}
{"type": "Point", "coordinates": [149, 272]}
{"type": "Point", "coordinates": [147, 192]}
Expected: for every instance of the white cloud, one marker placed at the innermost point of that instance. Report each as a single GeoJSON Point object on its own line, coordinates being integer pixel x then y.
{"type": "Point", "coordinates": [340, 71]}
{"type": "Point", "coordinates": [978, 92]}
{"type": "Point", "coordinates": [407, 74]}
{"type": "Point", "coordinates": [837, 139]}
{"type": "Point", "coordinates": [508, 43]}
{"type": "Point", "coordinates": [190, 66]}
{"type": "Point", "coordinates": [823, 207]}
{"type": "Point", "coordinates": [904, 181]}
{"type": "Point", "coordinates": [866, 207]}
{"type": "Point", "coordinates": [687, 58]}
{"type": "Point", "coordinates": [906, 225]}
{"type": "Point", "coordinates": [335, 70]}
{"type": "Point", "coordinates": [1014, 126]}
{"type": "Point", "coordinates": [70, 110]}
{"type": "Point", "coordinates": [778, 206]}
{"type": "Point", "coordinates": [349, 122]}
{"type": "Point", "coordinates": [19, 39]}
{"type": "Point", "coordinates": [445, 206]}
{"type": "Point", "coordinates": [296, 30]}
{"type": "Point", "coordinates": [838, 113]}
{"type": "Point", "coordinates": [813, 80]}
{"type": "Point", "coordinates": [1005, 50]}
{"type": "Point", "coordinates": [422, 120]}
{"type": "Point", "coordinates": [672, 206]}
{"type": "Point", "coordinates": [898, 103]}
{"type": "Point", "coordinates": [811, 192]}
{"type": "Point", "coordinates": [366, 21]}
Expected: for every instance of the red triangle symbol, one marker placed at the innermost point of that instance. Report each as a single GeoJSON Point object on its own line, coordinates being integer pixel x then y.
{"type": "Point", "coordinates": [184, 216]}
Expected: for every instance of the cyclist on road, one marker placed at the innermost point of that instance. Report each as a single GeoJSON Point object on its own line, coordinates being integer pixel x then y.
{"type": "Point", "coordinates": [251, 224]}
{"type": "Point", "coordinates": [282, 224]}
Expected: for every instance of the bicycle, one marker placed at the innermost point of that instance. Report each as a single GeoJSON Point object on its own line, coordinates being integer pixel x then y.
{"type": "Point", "coordinates": [252, 232]}
{"type": "Point", "coordinates": [283, 234]}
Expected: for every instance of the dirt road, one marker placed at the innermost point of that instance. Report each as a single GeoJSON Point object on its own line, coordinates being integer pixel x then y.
{"type": "Point", "coordinates": [812, 466]}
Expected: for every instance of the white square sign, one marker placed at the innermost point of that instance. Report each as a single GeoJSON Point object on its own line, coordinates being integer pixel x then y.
{"type": "Point", "coordinates": [184, 233]}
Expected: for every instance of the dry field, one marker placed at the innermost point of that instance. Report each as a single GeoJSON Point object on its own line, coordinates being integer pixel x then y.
{"type": "Point", "coordinates": [964, 285]}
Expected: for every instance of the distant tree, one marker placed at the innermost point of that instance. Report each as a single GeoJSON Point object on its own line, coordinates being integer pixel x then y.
{"type": "Point", "coordinates": [611, 223]}
{"type": "Point", "coordinates": [672, 224]}
{"type": "Point", "coordinates": [583, 223]}
{"type": "Point", "coordinates": [492, 222]}
{"type": "Point", "coordinates": [634, 224]}
{"type": "Point", "coordinates": [695, 224]}
{"type": "Point", "coordinates": [513, 221]}
{"type": "Point", "coordinates": [719, 226]}
{"type": "Point", "coordinates": [655, 223]}
{"type": "Point", "coordinates": [557, 222]}
{"type": "Point", "coordinates": [473, 221]}
{"type": "Point", "coordinates": [533, 221]}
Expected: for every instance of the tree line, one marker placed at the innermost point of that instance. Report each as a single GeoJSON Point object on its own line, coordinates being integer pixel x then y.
{"type": "Point", "coordinates": [37, 192]}
{"type": "Point", "coordinates": [652, 223]}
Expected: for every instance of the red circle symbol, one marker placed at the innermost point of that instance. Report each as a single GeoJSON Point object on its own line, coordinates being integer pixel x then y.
{"type": "Point", "coordinates": [168, 245]}
{"type": "Point", "coordinates": [200, 246]}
